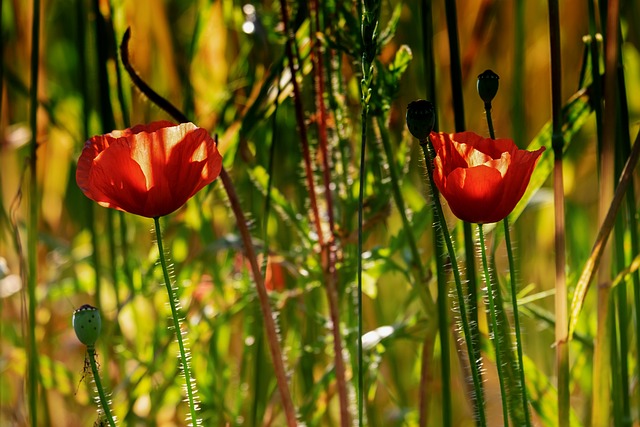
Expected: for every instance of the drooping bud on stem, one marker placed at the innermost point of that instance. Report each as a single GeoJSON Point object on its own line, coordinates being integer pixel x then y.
{"type": "Point", "coordinates": [420, 118]}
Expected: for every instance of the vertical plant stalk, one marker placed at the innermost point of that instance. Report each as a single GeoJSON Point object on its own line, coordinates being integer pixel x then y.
{"type": "Point", "coordinates": [475, 370]}
{"type": "Point", "coordinates": [514, 295]}
{"type": "Point", "coordinates": [601, 400]}
{"type": "Point", "coordinates": [267, 314]}
{"type": "Point", "coordinates": [302, 128]}
{"type": "Point", "coordinates": [370, 16]}
{"type": "Point", "coordinates": [443, 330]}
{"type": "Point", "coordinates": [416, 264]}
{"type": "Point", "coordinates": [330, 272]}
{"type": "Point", "coordinates": [495, 328]}
{"type": "Point", "coordinates": [104, 402]}
{"type": "Point", "coordinates": [243, 228]}
{"type": "Point", "coordinates": [557, 141]}
{"type": "Point", "coordinates": [174, 302]}
{"type": "Point", "coordinates": [32, 225]}
{"type": "Point", "coordinates": [459, 119]}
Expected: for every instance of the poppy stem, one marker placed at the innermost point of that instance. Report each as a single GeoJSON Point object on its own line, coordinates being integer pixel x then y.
{"type": "Point", "coordinates": [104, 402]}
{"type": "Point", "coordinates": [494, 324]}
{"type": "Point", "coordinates": [425, 144]}
{"type": "Point", "coordinates": [173, 303]}
{"type": "Point", "coordinates": [514, 296]}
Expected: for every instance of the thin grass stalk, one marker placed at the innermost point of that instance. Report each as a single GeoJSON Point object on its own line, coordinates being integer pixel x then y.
{"type": "Point", "coordinates": [443, 317]}
{"type": "Point", "coordinates": [426, 378]}
{"type": "Point", "coordinates": [442, 226]}
{"type": "Point", "coordinates": [562, 348]}
{"type": "Point", "coordinates": [302, 127]}
{"type": "Point", "coordinates": [606, 226]}
{"type": "Point", "coordinates": [32, 225]}
{"type": "Point", "coordinates": [601, 401]}
{"type": "Point", "coordinates": [416, 262]}
{"type": "Point", "coordinates": [495, 328]}
{"type": "Point", "coordinates": [245, 235]}
{"type": "Point", "coordinates": [624, 149]}
{"type": "Point", "coordinates": [265, 254]}
{"type": "Point", "coordinates": [119, 88]}
{"type": "Point", "coordinates": [443, 331]}
{"type": "Point", "coordinates": [518, 122]}
{"type": "Point", "coordinates": [514, 296]}
{"type": "Point", "coordinates": [459, 120]}
{"type": "Point", "coordinates": [330, 272]}
{"type": "Point", "coordinates": [370, 16]}
{"type": "Point", "coordinates": [104, 402]}
{"type": "Point", "coordinates": [619, 327]}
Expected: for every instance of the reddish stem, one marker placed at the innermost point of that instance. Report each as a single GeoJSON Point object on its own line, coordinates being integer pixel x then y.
{"type": "Point", "coordinates": [267, 314]}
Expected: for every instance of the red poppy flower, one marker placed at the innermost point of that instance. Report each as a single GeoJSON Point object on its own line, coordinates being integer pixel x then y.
{"type": "Point", "coordinates": [148, 170]}
{"type": "Point", "coordinates": [482, 179]}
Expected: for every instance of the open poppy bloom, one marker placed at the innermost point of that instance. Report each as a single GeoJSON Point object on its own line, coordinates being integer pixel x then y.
{"type": "Point", "coordinates": [148, 170]}
{"type": "Point", "coordinates": [482, 179]}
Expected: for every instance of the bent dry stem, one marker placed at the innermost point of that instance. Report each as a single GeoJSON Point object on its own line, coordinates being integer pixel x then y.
{"type": "Point", "coordinates": [173, 303]}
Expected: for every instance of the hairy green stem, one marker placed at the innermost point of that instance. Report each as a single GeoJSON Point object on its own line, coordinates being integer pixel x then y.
{"type": "Point", "coordinates": [471, 351]}
{"type": "Point", "coordinates": [494, 325]}
{"type": "Point", "coordinates": [443, 329]}
{"type": "Point", "coordinates": [32, 225]}
{"type": "Point", "coordinates": [514, 295]}
{"type": "Point", "coordinates": [104, 402]}
{"type": "Point", "coordinates": [173, 303]}
{"type": "Point", "coordinates": [516, 321]}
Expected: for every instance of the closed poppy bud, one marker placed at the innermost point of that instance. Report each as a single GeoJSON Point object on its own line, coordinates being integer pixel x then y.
{"type": "Point", "coordinates": [482, 179]}
{"type": "Point", "coordinates": [148, 170]}
{"type": "Point", "coordinates": [488, 83]}
{"type": "Point", "coordinates": [420, 118]}
{"type": "Point", "coordinates": [87, 323]}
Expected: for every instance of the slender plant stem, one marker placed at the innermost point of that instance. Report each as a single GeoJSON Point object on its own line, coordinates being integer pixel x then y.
{"type": "Point", "coordinates": [514, 295]}
{"type": "Point", "coordinates": [562, 349]}
{"type": "Point", "coordinates": [601, 401]}
{"type": "Point", "coordinates": [420, 279]}
{"type": "Point", "coordinates": [494, 325]}
{"type": "Point", "coordinates": [104, 402]}
{"type": "Point", "coordinates": [443, 329]}
{"type": "Point", "coordinates": [267, 314]}
{"type": "Point", "coordinates": [243, 228]}
{"type": "Point", "coordinates": [516, 321]}
{"type": "Point", "coordinates": [173, 303]}
{"type": "Point", "coordinates": [32, 227]}
{"type": "Point", "coordinates": [302, 127]}
{"type": "Point", "coordinates": [362, 175]}
{"type": "Point", "coordinates": [329, 271]}
{"type": "Point", "coordinates": [459, 118]}
{"type": "Point", "coordinates": [475, 374]}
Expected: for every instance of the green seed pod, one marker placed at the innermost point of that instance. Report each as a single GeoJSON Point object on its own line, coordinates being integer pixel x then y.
{"type": "Point", "coordinates": [87, 324]}
{"type": "Point", "coordinates": [488, 83]}
{"type": "Point", "coordinates": [420, 118]}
